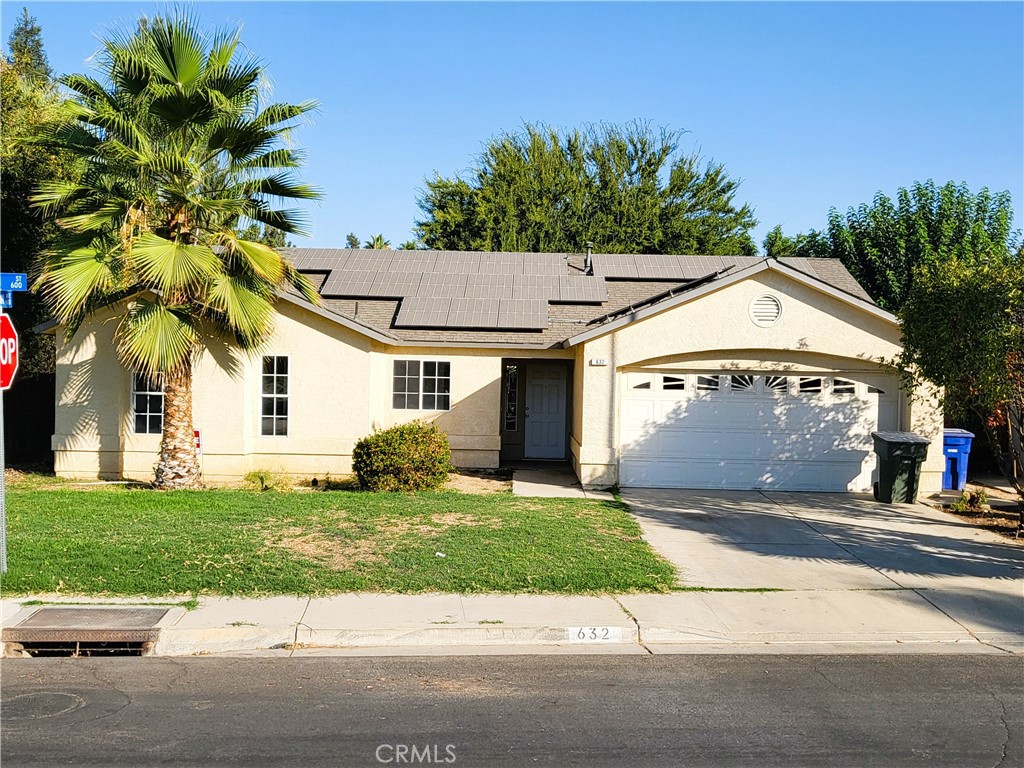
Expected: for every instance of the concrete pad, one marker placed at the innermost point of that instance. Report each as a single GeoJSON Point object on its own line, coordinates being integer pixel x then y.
{"type": "Point", "coordinates": [679, 617]}
{"type": "Point", "coordinates": [997, 613]}
{"type": "Point", "coordinates": [383, 611]}
{"type": "Point", "coordinates": [546, 483]}
{"type": "Point", "coordinates": [831, 616]}
{"type": "Point", "coordinates": [174, 641]}
{"type": "Point", "coordinates": [217, 612]}
{"type": "Point", "coordinates": [8, 610]}
{"type": "Point", "coordinates": [544, 610]}
{"type": "Point", "coordinates": [773, 566]}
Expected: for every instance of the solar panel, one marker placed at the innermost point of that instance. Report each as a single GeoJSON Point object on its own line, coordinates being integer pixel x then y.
{"type": "Point", "coordinates": [370, 260]}
{"type": "Point", "coordinates": [473, 313]}
{"type": "Point", "coordinates": [450, 285]}
{"type": "Point", "coordinates": [544, 264]}
{"type": "Point", "coordinates": [342, 282]}
{"type": "Point", "coordinates": [413, 261]}
{"type": "Point", "coordinates": [420, 312]}
{"type": "Point", "coordinates": [535, 287]}
{"type": "Point", "coordinates": [614, 265]}
{"type": "Point", "coordinates": [396, 285]}
{"type": "Point", "coordinates": [457, 261]}
{"type": "Point", "coordinates": [523, 313]}
{"type": "Point", "coordinates": [489, 286]}
{"type": "Point", "coordinates": [501, 264]}
{"type": "Point", "coordinates": [582, 289]}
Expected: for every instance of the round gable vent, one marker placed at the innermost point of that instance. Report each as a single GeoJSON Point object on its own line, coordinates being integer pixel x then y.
{"type": "Point", "coordinates": [765, 310]}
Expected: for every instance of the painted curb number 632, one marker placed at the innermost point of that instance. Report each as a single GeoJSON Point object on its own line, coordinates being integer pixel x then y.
{"type": "Point", "coordinates": [594, 634]}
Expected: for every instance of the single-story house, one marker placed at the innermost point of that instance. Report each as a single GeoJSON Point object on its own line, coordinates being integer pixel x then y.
{"type": "Point", "coordinates": [638, 370]}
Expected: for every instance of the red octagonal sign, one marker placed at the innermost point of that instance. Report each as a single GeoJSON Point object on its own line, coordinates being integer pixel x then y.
{"type": "Point", "coordinates": [8, 352]}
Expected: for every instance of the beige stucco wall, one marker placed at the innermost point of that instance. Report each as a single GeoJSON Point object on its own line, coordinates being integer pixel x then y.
{"type": "Point", "coordinates": [816, 332]}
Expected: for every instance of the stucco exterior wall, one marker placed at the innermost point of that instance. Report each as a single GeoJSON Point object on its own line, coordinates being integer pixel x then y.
{"type": "Point", "coordinates": [816, 332]}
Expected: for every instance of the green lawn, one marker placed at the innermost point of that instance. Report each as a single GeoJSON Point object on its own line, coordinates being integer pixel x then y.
{"type": "Point", "coordinates": [122, 541]}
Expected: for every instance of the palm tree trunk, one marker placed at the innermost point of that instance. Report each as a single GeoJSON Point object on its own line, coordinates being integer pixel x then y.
{"type": "Point", "coordinates": [178, 466]}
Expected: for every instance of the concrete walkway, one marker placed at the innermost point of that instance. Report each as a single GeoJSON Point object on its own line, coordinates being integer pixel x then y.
{"type": "Point", "coordinates": [553, 483]}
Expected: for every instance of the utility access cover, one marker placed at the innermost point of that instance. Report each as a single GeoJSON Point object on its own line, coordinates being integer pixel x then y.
{"type": "Point", "coordinates": [84, 624]}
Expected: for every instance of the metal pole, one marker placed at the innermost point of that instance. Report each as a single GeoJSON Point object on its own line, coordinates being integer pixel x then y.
{"type": "Point", "coordinates": [3, 491]}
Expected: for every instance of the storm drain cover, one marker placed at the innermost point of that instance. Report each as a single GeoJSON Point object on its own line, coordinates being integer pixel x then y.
{"type": "Point", "coordinates": [83, 624]}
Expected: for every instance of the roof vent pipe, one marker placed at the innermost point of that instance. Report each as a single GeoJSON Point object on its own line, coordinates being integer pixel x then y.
{"type": "Point", "coordinates": [588, 265]}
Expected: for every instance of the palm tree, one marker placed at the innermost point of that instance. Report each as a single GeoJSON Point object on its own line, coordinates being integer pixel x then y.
{"type": "Point", "coordinates": [377, 243]}
{"type": "Point", "coordinates": [179, 154]}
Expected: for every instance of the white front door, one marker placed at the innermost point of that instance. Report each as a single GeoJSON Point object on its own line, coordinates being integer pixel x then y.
{"type": "Point", "coordinates": [786, 431]}
{"type": "Point", "coordinates": [545, 411]}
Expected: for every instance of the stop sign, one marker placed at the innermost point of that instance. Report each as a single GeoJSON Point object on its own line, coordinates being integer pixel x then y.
{"type": "Point", "coordinates": [8, 352]}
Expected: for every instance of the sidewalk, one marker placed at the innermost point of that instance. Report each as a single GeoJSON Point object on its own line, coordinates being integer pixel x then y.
{"type": "Point", "coordinates": [797, 621]}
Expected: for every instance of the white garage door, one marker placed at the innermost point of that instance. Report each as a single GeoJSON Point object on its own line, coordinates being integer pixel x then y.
{"type": "Point", "coordinates": [803, 432]}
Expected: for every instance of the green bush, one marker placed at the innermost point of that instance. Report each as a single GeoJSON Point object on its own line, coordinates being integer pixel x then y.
{"type": "Point", "coordinates": [262, 480]}
{"type": "Point", "coordinates": [408, 457]}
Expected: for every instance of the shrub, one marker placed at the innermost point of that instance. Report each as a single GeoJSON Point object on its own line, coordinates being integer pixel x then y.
{"type": "Point", "coordinates": [408, 457]}
{"type": "Point", "coordinates": [262, 480]}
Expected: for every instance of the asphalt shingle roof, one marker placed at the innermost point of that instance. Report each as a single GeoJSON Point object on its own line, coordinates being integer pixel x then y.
{"type": "Point", "coordinates": [510, 299]}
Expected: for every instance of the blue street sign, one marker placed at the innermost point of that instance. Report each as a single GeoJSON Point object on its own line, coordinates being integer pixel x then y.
{"type": "Point", "coordinates": [6, 299]}
{"type": "Point", "coordinates": [13, 281]}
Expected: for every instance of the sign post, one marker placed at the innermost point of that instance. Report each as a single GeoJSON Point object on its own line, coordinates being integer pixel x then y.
{"type": "Point", "coordinates": [8, 367]}
{"type": "Point", "coordinates": [9, 283]}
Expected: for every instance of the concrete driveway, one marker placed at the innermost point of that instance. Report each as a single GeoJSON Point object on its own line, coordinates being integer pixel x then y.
{"type": "Point", "coordinates": [862, 558]}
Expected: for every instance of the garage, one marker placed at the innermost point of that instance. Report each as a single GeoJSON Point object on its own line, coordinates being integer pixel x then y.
{"type": "Point", "coordinates": [749, 430]}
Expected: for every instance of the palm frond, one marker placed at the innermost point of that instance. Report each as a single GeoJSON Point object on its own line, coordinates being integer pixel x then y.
{"type": "Point", "coordinates": [172, 266]}
{"type": "Point", "coordinates": [244, 300]}
{"type": "Point", "coordinates": [70, 281]}
{"type": "Point", "coordinates": [154, 338]}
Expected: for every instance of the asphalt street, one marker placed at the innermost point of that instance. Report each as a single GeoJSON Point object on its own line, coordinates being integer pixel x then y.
{"type": "Point", "coordinates": [706, 710]}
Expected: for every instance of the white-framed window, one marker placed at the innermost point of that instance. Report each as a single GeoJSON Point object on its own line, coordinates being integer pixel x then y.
{"type": "Point", "coordinates": [147, 405]}
{"type": "Point", "coordinates": [810, 385]}
{"type": "Point", "coordinates": [707, 383]}
{"type": "Point", "coordinates": [424, 385]}
{"type": "Point", "coordinates": [274, 398]}
{"type": "Point", "coordinates": [843, 387]}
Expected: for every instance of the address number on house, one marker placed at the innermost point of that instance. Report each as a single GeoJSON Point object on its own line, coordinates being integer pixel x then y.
{"type": "Point", "coordinates": [594, 634]}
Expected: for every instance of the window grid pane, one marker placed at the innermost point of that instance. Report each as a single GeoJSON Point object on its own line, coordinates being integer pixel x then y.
{"type": "Point", "coordinates": [147, 405]}
{"type": "Point", "coordinates": [274, 405]}
{"type": "Point", "coordinates": [425, 386]}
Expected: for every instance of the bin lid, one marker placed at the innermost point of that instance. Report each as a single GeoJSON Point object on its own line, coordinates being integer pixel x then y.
{"type": "Point", "coordinates": [957, 433]}
{"type": "Point", "coordinates": [900, 437]}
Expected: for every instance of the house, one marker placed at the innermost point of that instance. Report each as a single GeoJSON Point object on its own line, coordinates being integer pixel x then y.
{"type": "Point", "coordinates": [641, 370]}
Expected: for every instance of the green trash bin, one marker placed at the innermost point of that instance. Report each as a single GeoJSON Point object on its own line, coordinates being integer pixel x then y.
{"type": "Point", "coordinates": [900, 455]}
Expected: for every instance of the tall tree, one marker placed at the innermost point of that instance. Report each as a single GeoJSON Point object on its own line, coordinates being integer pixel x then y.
{"type": "Point", "coordinates": [624, 188]}
{"type": "Point", "coordinates": [883, 243]}
{"type": "Point", "coordinates": [26, 46]}
{"type": "Point", "coordinates": [351, 240]}
{"type": "Point", "coordinates": [377, 242]}
{"type": "Point", "coordinates": [30, 102]}
{"type": "Point", "coordinates": [963, 330]}
{"type": "Point", "coordinates": [179, 151]}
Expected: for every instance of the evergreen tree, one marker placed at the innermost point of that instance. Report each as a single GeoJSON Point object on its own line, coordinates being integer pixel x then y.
{"type": "Point", "coordinates": [627, 189]}
{"type": "Point", "coordinates": [26, 46]}
{"type": "Point", "coordinates": [351, 240]}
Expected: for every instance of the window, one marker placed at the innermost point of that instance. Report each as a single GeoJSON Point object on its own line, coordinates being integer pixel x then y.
{"type": "Point", "coordinates": [707, 383]}
{"type": "Point", "coordinates": [673, 382]}
{"type": "Point", "coordinates": [875, 391]}
{"type": "Point", "coordinates": [422, 385]}
{"type": "Point", "coordinates": [147, 405]}
{"type": "Point", "coordinates": [274, 411]}
{"type": "Point", "coordinates": [843, 387]}
{"type": "Point", "coordinates": [741, 383]}
{"type": "Point", "coordinates": [776, 385]}
{"type": "Point", "coordinates": [642, 385]}
{"type": "Point", "coordinates": [810, 385]}
{"type": "Point", "coordinates": [511, 398]}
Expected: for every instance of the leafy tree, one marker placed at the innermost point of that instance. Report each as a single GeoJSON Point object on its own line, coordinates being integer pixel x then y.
{"type": "Point", "coordinates": [30, 102]}
{"type": "Point", "coordinates": [963, 330]}
{"type": "Point", "coordinates": [377, 242]}
{"type": "Point", "coordinates": [178, 153]}
{"type": "Point", "coordinates": [351, 240]}
{"type": "Point", "coordinates": [27, 54]}
{"type": "Point", "coordinates": [271, 236]}
{"type": "Point", "coordinates": [624, 188]}
{"type": "Point", "coordinates": [777, 245]}
{"type": "Point", "coordinates": [883, 243]}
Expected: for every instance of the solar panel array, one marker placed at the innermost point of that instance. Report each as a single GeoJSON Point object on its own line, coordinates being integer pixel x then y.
{"type": "Point", "coordinates": [464, 289]}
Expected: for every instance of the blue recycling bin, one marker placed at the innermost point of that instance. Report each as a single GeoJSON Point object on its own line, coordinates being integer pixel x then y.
{"type": "Point", "coordinates": [956, 447]}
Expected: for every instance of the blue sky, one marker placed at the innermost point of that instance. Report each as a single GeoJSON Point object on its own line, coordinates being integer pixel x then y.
{"type": "Point", "coordinates": [811, 105]}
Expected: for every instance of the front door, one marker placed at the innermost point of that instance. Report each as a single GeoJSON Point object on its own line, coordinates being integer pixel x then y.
{"type": "Point", "coordinates": [545, 411]}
